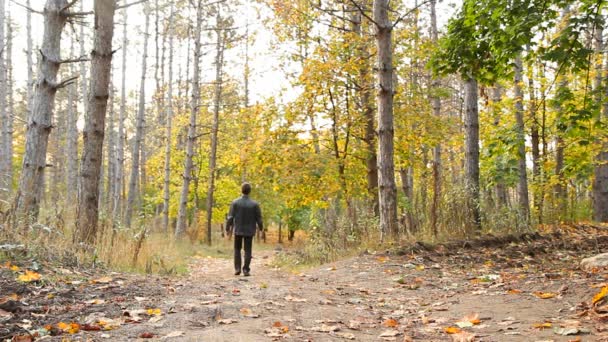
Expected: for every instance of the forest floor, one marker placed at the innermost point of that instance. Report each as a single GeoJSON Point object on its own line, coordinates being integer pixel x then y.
{"type": "Point", "coordinates": [531, 290]}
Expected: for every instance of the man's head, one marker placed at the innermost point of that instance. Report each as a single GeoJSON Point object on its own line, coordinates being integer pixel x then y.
{"type": "Point", "coordinates": [246, 188]}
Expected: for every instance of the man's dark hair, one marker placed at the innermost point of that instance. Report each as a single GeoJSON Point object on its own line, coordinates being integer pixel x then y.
{"type": "Point", "coordinates": [246, 188]}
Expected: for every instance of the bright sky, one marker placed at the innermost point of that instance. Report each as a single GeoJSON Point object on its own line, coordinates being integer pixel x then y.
{"type": "Point", "coordinates": [265, 56]}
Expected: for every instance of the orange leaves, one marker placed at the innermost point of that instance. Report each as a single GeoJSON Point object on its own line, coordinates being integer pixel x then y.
{"type": "Point", "coordinates": [71, 328]}
{"type": "Point", "coordinates": [514, 291]}
{"type": "Point", "coordinates": [452, 330]}
{"type": "Point", "coordinates": [277, 330]}
{"type": "Point", "coordinates": [544, 295]}
{"type": "Point", "coordinates": [29, 276]}
{"type": "Point", "coordinates": [600, 295]}
{"type": "Point", "coordinates": [390, 323]}
{"type": "Point", "coordinates": [468, 320]}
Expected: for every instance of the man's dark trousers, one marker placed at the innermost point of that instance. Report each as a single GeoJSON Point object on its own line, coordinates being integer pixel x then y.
{"type": "Point", "coordinates": [238, 245]}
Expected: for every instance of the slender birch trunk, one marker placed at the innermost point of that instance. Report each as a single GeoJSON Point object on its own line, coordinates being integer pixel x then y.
{"type": "Point", "coordinates": [194, 109]}
{"type": "Point", "coordinates": [471, 124]}
{"type": "Point", "coordinates": [169, 122]}
{"type": "Point", "coordinates": [600, 183]}
{"type": "Point", "coordinates": [522, 184]}
{"type": "Point", "coordinates": [133, 199]}
{"type": "Point", "coordinates": [119, 194]}
{"type": "Point", "coordinates": [5, 181]}
{"type": "Point", "coordinates": [436, 106]}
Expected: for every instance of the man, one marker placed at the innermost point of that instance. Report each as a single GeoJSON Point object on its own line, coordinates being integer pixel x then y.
{"type": "Point", "coordinates": [244, 215]}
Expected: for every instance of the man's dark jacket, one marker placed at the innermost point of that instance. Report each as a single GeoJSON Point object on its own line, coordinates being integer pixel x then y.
{"type": "Point", "coordinates": [244, 214]}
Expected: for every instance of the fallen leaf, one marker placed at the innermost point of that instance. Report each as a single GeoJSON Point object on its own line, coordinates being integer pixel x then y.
{"type": "Point", "coordinates": [290, 298]}
{"type": "Point", "coordinates": [102, 280]}
{"type": "Point", "coordinates": [326, 328]}
{"type": "Point", "coordinates": [227, 321]}
{"type": "Point", "coordinates": [545, 295]}
{"type": "Point", "coordinates": [346, 336]}
{"type": "Point", "coordinates": [514, 291]}
{"type": "Point", "coordinates": [146, 335]}
{"type": "Point", "coordinates": [600, 295]}
{"type": "Point", "coordinates": [468, 321]}
{"type": "Point", "coordinates": [153, 312]}
{"type": "Point", "coordinates": [542, 326]}
{"type": "Point", "coordinates": [390, 333]}
{"type": "Point", "coordinates": [452, 330]}
{"type": "Point", "coordinates": [390, 323]}
{"type": "Point", "coordinates": [463, 336]}
{"type": "Point", "coordinates": [29, 276]}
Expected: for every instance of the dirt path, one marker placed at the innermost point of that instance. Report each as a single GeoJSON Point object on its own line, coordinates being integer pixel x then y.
{"type": "Point", "coordinates": [368, 298]}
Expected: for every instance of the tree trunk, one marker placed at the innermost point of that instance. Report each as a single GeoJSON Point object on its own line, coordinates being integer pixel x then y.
{"type": "Point", "coordinates": [133, 199]}
{"type": "Point", "coordinates": [386, 165]}
{"type": "Point", "coordinates": [110, 147]}
{"type": "Point", "coordinates": [5, 157]}
{"type": "Point", "coordinates": [92, 154]}
{"type": "Point", "coordinates": [120, 145]}
{"type": "Point", "coordinates": [71, 180]}
{"type": "Point", "coordinates": [10, 109]}
{"type": "Point", "coordinates": [39, 123]}
{"type": "Point", "coordinates": [600, 181]}
{"type": "Point", "coordinates": [537, 187]}
{"type": "Point", "coordinates": [194, 108]}
{"type": "Point", "coordinates": [522, 184]}
{"type": "Point", "coordinates": [217, 100]}
{"type": "Point", "coordinates": [83, 68]}
{"type": "Point", "coordinates": [169, 121]}
{"type": "Point", "coordinates": [471, 125]}
{"type": "Point", "coordinates": [436, 106]}
{"type": "Point", "coordinates": [30, 57]}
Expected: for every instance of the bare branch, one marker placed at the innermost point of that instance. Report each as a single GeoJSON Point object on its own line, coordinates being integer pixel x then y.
{"type": "Point", "coordinates": [27, 8]}
{"type": "Point", "coordinates": [74, 60]}
{"type": "Point", "coordinates": [409, 12]}
{"type": "Point", "coordinates": [362, 11]}
{"type": "Point", "coordinates": [131, 4]}
{"type": "Point", "coordinates": [65, 82]}
{"type": "Point", "coordinates": [68, 5]}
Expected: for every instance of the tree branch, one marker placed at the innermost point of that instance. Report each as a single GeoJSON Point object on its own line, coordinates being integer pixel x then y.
{"type": "Point", "coordinates": [409, 12]}
{"type": "Point", "coordinates": [130, 4]}
{"type": "Point", "coordinates": [65, 82]}
{"type": "Point", "coordinates": [362, 11]}
{"type": "Point", "coordinates": [68, 5]}
{"type": "Point", "coordinates": [26, 7]}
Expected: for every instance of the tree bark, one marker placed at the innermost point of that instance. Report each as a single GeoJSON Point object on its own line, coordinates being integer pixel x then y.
{"type": "Point", "coordinates": [92, 154]}
{"type": "Point", "coordinates": [600, 181]}
{"type": "Point", "coordinates": [522, 184]}
{"type": "Point", "coordinates": [194, 108]}
{"type": "Point", "coordinates": [386, 165]}
{"type": "Point", "coordinates": [5, 157]}
{"type": "Point", "coordinates": [217, 100]}
{"type": "Point", "coordinates": [71, 180]}
{"type": "Point", "coordinates": [120, 145]}
{"type": "Point", "coordinates": [537, 193]}
{"type": "Point", "coordinates": [436, 106]}
{"type": "Point", "coordinates": [133, 199]}
{"type": "Point", "coordinates": [39, 123]}
{"type": "Point", "coordinates": [30, 57]}
{"type": "Point", "coordinates": [169, 122]}
{"type": "Point", "coordinates": [471, 124]}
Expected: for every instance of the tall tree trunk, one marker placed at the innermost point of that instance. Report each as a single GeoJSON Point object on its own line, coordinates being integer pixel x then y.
{"type": "Point", "coordinates": [217, 101]}
{"type": "Point", "coordinates": [10, 109]}
{"type": "Point", "coordinates": [71, 180]}
{"type": "Point", "coordinates": [5, 181]}
{"type": "Point", "coordinates": [471, 125]}
{"type": "Point", "coordinates": [133, 199]}
{"type": "Point", "coordinates": [365, 103]}
{"type": "Point", "coordinates": [92, 154]}
{"type": "Point", "coordinates": [30, 57]}
{"type": "Point", "coordinates": [39, 123]}
{"type": "Point", "coordinates": [169, 121]}
{"type": "Point", "coordinates": [600, 181]}
{"type": "Point", "coordinates": [110, 147]}
{"type": "Point", "coordinates": [194, 108]}
{"type": "Point", "coordinates": [537, 193]}
{"type": "Point", "coordinates": [436, 106]}
{"type": "Point", "coordinates": [83, 67]}
{"type": "Point", "coordinates": [522, 184]}
{"type": "Point", "coordinates": [386, 165]}
{"type": "Point", "coordinates": [120, 145]}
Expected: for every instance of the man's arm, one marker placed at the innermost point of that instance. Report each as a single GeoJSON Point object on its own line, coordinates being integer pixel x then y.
{"type": "Point", "coordinates": [230, 218]}
{"type": "Point", "coordinates": [258, 217]}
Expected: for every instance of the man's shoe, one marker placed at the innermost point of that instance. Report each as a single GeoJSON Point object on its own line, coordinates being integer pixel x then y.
{"type": "Point", "coordinates": [246, 274]}
{"type": "Point", "coordinates": [237, 272]}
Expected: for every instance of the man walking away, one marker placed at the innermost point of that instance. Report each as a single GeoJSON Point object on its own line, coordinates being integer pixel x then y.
{"type": "Point", "coordinates": [244, 214]}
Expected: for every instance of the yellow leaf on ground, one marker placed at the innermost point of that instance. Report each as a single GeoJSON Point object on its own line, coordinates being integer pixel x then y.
{"type": "Point", "coordinates": [63, 326]}
{"type": "Point", "coordinates": [452, 330]}
{"type": "Point", "coordinates": [514, 291]}
{"type": "Point", "coordinates": [600, 295]}
{"type": "Point", "coordinates": [544, 295]}
{"type": "Point", "coordinates": [29, 276]}
{"type": "Point", "coordinates": [15, 268]}
{"type": "Point", "coordinates": [545, 325]}
{"type": "Point", "coordinates": [154, 312]}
